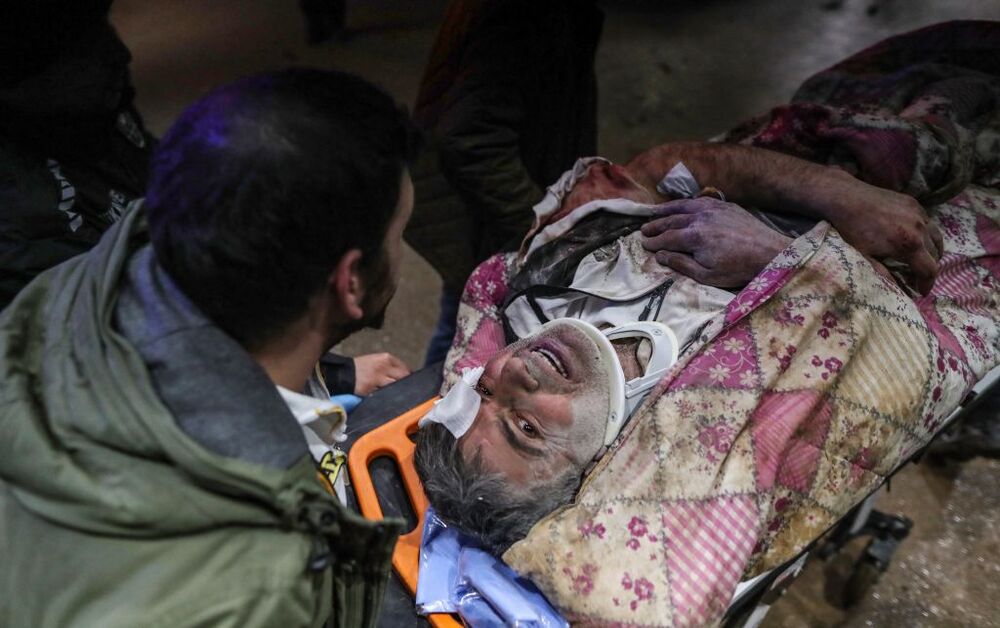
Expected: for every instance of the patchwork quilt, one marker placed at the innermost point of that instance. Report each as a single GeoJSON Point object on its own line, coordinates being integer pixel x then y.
{"type": "Point", "coordinates": [818, 379]}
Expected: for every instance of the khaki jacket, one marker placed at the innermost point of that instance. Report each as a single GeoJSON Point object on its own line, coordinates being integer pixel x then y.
{"type": "Point", "coordinates": [110, 515]}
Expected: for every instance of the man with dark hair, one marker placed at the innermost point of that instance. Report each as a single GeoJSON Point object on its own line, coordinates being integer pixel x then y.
{"type": "Point", "coordinates": [276, 259]}
{"type": "Point", "coordinates": [74, 152]}
{"type": "Point", "coordinates": [154, 470]}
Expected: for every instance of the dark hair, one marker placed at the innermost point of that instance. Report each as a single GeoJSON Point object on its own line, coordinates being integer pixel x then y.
{"type": "Point", "coordinates": [479, 503]}
{"type": "Point", "coordinates": [260, 187]}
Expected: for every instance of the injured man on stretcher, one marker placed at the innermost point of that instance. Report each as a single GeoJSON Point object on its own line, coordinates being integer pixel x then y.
{"type": "Point", "coordinates": [667, 390]}
{"type": "Point", "coordinates": [600, 312]}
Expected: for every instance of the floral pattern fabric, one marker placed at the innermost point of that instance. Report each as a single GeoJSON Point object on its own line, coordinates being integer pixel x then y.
{"type": "Point", "coordinates": [818, 380]}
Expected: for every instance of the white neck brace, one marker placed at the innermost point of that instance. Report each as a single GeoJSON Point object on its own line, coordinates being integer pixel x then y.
{"type": "Point", "coordinates": [625, 396]}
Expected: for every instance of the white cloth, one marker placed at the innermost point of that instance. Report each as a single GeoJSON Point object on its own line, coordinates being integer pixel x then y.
{"type": "Point", "coordinates": [458, 409]}
{"type": "Point", "coordinates": [678, 183]}
{"type": "Point", "coordinates": [552, 201]}
{"type": "Point", "coordinates": [686, 306]}
{"type": "Point", "coordinates": [324, 423]}
{"type": "Point", "coordinates": [618, 277]}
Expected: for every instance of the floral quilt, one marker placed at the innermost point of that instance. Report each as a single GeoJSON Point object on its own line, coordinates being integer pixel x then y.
{"type": "Point", "coordinates": [819, 378]}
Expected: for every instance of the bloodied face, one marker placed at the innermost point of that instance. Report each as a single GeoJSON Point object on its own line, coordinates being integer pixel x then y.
{"type": "Point", "coordinates": [605, 180]}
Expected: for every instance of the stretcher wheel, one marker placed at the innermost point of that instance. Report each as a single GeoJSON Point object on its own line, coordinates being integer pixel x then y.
{"type": "Point", "coordinates": [864, 576]}
{"type": "Point", "coordinates": [886, 532]}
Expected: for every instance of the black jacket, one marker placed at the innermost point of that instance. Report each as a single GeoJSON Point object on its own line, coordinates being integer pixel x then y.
{"type": "Point", "coordinates": [509, 102]}
{"type": "Point", "coordinates": [61, 188]}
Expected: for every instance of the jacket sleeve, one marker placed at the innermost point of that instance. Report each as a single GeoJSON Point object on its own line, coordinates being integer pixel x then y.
{"type": "Point", "coordinates": [439, 228]}
{"type": "Point", "coordinates": [479, 127]}
{"type": "Point", "coordinates": [20, 262]}
{"type": "Point", "coordinates": [339, 373]}
{"type": "Point", "coordinates": [481, 158]}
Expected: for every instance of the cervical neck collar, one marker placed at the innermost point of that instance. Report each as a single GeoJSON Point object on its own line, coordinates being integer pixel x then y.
{"type": "Point", "coordinates": [625, 396]}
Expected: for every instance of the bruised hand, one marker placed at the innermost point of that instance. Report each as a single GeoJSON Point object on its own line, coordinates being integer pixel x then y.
{"type": "Point", "coordinates": [375, 370]}
{"type": "Point", "coordinates": [886, 225]}
{"type": "Point", "coordinates": [711, 241]}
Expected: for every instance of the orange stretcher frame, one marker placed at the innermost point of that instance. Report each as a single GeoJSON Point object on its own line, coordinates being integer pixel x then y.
{"type": "Point", "coordinates": [393, 440]}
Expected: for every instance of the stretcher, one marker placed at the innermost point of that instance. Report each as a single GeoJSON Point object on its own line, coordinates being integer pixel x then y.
{"type": "Point", "coordinates": [384, 483]}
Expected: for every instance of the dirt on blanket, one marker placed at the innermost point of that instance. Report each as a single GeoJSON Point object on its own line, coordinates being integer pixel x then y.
{"type": "Point", "coordinates": [945, 573]}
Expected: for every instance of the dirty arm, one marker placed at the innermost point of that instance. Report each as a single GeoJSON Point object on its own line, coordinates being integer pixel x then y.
{"type": "Point", "coordinates": [879, 223]}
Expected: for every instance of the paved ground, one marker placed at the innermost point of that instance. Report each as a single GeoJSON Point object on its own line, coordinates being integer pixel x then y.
{"type": "Point", "coordinates": [668, 69]}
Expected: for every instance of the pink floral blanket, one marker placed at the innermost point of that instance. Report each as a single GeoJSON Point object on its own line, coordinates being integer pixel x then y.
{"type": "Point", "coordinates": [818, 380]}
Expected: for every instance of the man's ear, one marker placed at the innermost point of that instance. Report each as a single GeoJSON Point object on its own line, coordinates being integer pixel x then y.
{"type": "Point", "coordinates": [347, 285]}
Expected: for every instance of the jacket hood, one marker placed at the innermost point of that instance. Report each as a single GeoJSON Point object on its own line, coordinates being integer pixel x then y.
{"type": "Point", "coordinates": [100, 428]}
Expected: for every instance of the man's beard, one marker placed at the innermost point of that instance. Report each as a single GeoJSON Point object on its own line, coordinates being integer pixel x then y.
{"type": "Point", "coordinates": [377, 298]}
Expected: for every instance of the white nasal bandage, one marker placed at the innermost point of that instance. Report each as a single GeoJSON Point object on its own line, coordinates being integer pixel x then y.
{"type": "Point", "coordinates": [457, 410]}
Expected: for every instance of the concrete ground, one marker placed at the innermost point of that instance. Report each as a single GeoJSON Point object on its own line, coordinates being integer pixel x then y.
{"type": "Point", "coordinates": [667, 70]}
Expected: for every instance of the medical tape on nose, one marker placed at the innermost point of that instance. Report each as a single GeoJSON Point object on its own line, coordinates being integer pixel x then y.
{"type": "Point", "coordinates": [457, 410]}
